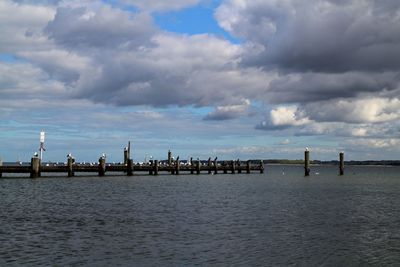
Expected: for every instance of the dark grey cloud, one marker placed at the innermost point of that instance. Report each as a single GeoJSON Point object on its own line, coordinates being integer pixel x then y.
{"type": "Point", "coordinates": [80, 28]}
{"type": "Point", "coordinates": [318, 36]}
{"type": "Point", "coordinates": [310, 87]}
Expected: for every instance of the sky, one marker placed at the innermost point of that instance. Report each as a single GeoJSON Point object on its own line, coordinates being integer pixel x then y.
{"type": "Point", "coordinates": [241, 79]}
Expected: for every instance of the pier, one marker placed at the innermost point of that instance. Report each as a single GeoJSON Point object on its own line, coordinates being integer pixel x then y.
{"type": "Point", "coordinates": [130, 168]}
{"type": "Point", "coordinates": [36, 169]}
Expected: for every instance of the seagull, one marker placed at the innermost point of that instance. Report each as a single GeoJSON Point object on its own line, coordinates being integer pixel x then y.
{"type": "Point", "coordinates": [306, 148]}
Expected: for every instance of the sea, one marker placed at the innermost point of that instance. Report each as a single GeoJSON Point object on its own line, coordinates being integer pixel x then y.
{"type": "Point", "coordinates": [279, 218]}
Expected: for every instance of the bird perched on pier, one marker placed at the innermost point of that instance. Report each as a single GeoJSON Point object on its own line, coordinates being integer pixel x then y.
{"type": "Point", "coordinates": [215, 158]}
{"type": "Point", "coordinates": [177, 158]}
{"type": "Point", "coordinates": [35, 154]}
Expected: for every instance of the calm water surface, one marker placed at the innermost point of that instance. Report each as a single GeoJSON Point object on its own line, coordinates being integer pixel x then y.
{"type": "Point", "coordinates": [278, 218]}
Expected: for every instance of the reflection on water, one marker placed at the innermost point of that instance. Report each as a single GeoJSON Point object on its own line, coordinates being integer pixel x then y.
{"type": "Point", "coordinates": [277, 218]}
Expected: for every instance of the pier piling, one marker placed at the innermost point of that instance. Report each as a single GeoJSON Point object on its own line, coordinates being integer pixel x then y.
{"type": "Point", "coordinates": [307, 163]}
{"type": "Point", "coordinates": [191, 165]}
{"type": "Point", "coordinates": [126, 156]}
{"type": "Point", "coordinates": [209, 165]}
{"type": "Point", "coordinates": [198, 167]}
{"type": "Point", "coordinates": [248, 166]}
{"type": "Point", "coordinates": [169, 158]}
{"type": "Point", "coordinates": [225, 167]}
{"type": "Point", "coordinates": [156, 167]}
{"type": "Point", "coordinates": [35, 167]}
{"type": "Point", "coordinates": [102, 166]}
{"type": "Point", "coordinates": [70, 163]}
{"type": "Point", "coordinates": [151, 168]}
{"type": "Point", "coordinates": [233, 167]}
{"type": "Point", "coordinates": [261, 166]}
{"type": "Point", "coordinates": [215, 166]}
{"type": "Point", "coordinates": [177, 166]}
{"type": "Point", "coordinates": [129, 167]}
{"type": "Point", "coordinates": [341, 163]}
{"type": "Point", "coordinates": [239, 168]}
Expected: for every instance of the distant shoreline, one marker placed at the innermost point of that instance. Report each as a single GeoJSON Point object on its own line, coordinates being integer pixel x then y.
{"type": "Point", "coordinates": [334, 162]}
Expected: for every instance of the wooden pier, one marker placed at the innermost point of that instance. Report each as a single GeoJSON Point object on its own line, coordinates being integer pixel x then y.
{"type": "Point", "coordinates": [173, 167]}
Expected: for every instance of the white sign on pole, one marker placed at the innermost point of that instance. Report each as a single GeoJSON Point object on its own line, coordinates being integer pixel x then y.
{"type": "Point", "coordinates": [42, 137]}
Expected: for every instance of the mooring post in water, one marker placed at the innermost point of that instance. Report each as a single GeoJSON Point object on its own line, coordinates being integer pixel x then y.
{"type": "Point", "coordinates": [70, 164]}
{"type": "Point", "coordinates": [129, 151]}
{"type": "Point", "coordinates": [169, 158]}
{"type": "Point", "coordinates": [35, 167]}
{"type": "Point", "coordinates": [1, 164]}
{"type": "Point", "coordinates": [261, 166]}
{"type": "Point", "coordinates": [198, 166]}
{"type": "Point", "coordinates": [177, 166]}
{"type": "Point", "coordinates": [209, 165]}
{"type": "Point", "coordinates": [126, 156]}
{"type": "Point", "coordinates": [233, 167]}
{"type": "Point", "coordinates": [102, 165]}
{"type": "Point", "coordinates": [151, 167]}
{"type": "Point", "coordinates": [239, 167]}
{"type": "Point", "coordinates": [307, 162]}
{"type": "Point", "coordinates": [225, 167]}
{"type": "Point", "coordinates": [215, 165]}
{"type": "Point", "coordinates": [248, 166]}
{"type": "Point", "coordinates": [191, 165]}
{"type": "Point", "coordinates": [156, 167]}
{"type": "Point", "coordinates": [341, 163]}
{"type": "Point", "coordinates": [129, 167]}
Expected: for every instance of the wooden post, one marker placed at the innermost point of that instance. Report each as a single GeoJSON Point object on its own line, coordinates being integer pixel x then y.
{"type": "Point", "coordinates": [129, 167]}
{"type": "Point", "coordinates": [233, 167]}
{"type": "Point", "coordinates": [248, 166]}
{"type": "Point", "coordinates": [215, 166]}
{"type": "Point", "coordinates": [306, 163]}
{"type": "Point", "coordinates": [191, 165]}
{"type": "Point", "coordinates": [239, 167]}
{"type": "Point", "coordinates": [177, 166]}
{"type": "Point", "coordinates": [341, 163]}
{"type": "Point", "coordinates": [102, 166]}
{"type": "Point", "coordinates": [209, 165]}
{"type": "Point", "coordinates": [198, 166]}
{"type": "Point", "coordinates": [261, 166]}
{"type": "Point", "coordinates": [225, 169]}
{"type": "Point", "coordinates": [129, 151]}
{"type": "Point", "coordinates": [156, 167]}
{"type": "Point", "coordinates": [151, 167]}
{"type": "Point", "coordinates": [70, 163]}
{"type": "Point", "coordinates": [1, 164]}
{"type": "Point", "coordinates": [125, 156]}
{"type": "Point", "coordinates": [35, 167]}
{"type": "Point", "coordinates": [169, 158]}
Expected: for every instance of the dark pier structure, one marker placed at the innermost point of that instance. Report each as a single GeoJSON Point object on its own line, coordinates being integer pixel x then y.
{"type": "Point", "coordinates": [128, 167]}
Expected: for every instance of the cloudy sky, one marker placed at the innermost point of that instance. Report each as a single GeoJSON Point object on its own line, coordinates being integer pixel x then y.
{"type": "Point", "coordinates": [227, 78]}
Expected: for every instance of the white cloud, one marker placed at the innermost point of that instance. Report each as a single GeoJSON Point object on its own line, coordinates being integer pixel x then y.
{"type": "Point", "coordinates": [364, 110]}
{"type": "Point", "coordinates": [229, 111]}
{"type": "Point", "coordinates": [21, 26]}
{"type": "Point", "coordinates": [289, 115]}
